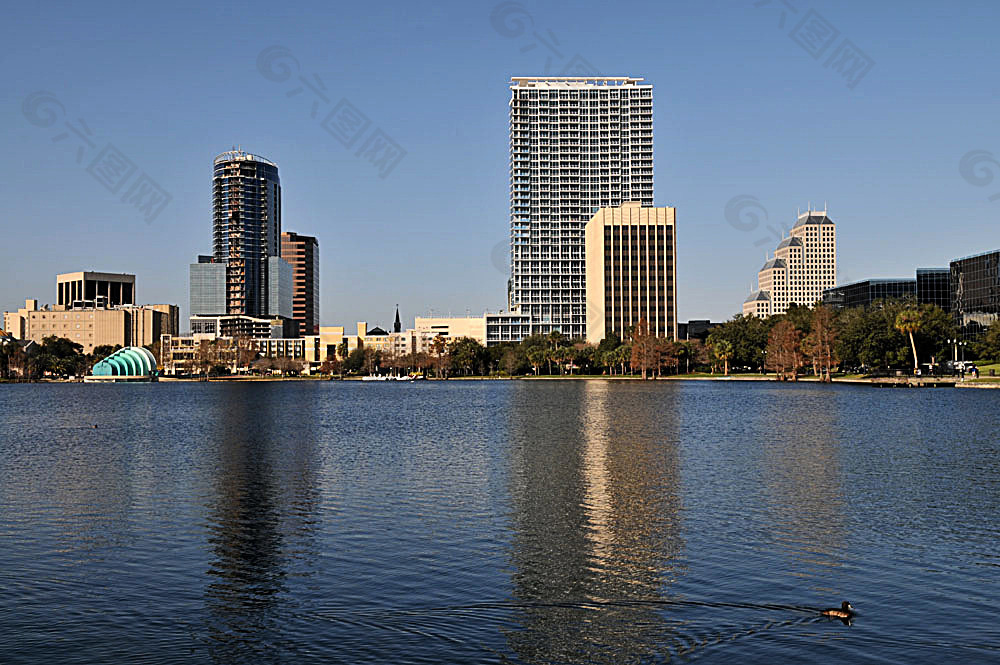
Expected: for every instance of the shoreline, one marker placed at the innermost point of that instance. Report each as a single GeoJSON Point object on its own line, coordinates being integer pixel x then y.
{"type": "Point", "coordinates": [886, 382]}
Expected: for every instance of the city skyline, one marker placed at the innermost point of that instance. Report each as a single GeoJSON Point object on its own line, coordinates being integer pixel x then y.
{"type": "Point", "coordinates": [758, 122]}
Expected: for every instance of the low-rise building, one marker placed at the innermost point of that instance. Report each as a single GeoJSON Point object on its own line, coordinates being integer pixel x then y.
{"type": "Point", "coordinates": [241, 325]}
{"type": "Point", "coordinates": [90, 327]}
{"type": "Point", "coordinates": [863, 293]}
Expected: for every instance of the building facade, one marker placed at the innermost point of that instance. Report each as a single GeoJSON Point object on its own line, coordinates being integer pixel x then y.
{"type": "Point", "coordinates": [90, 327]}
{"type": "Point", "coordinates": [233, 325]}
{"type": "Point", "coordinates": [246, 219]}
{"type": "Point", "coordinates": [934, 287]}
{"type": "Point", "coordinates": [631, 271]}
{"type": "Point", "coordinates": [975, 293]}
{"type": "Point", "coordinates": [302, 253]}
{"type": "Point", "coordinates": [804, 265]}
{"type": "Point", "coordinates": [867, 291]}
{"type": "Point", "coordinates": [95, 289]}
{"type": "Point", "coordinates": [577, 144]}
{"type": "Point", "coordinates": [207, 281]}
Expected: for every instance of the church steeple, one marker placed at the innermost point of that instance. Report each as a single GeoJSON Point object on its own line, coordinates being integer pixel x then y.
{"type": "Point", "coordinates": [396, 327]}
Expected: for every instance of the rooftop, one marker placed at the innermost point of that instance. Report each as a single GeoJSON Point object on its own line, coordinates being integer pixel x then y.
{"type": "Point", "coordinates": [572, 81]}
{"type": "Point", "coordinates": [757, 296]}
{"type": "Point", "coordinates": [812, 217]}
{"type": "Point", "coordinates": [774, 263]}
{"type": "Point", "coordinates": [239, 155]}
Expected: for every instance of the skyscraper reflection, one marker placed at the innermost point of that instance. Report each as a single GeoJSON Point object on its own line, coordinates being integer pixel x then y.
{"type": "Point", "coordinates": [260, 521]}
{"type": "Point", "coordinates": [596, 495]}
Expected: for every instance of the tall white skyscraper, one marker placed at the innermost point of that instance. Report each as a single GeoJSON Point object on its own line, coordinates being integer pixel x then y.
{"type": "Point", "coordinates": [577, 144]}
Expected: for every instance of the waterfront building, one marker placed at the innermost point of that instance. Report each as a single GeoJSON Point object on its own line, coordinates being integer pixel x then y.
{"type": "Point", "coordinates": [181, 354]}
{"type": "Point", "coordinates": [576, 144]}
{"type": "Point", "coordinates": [975, 293]}
{"type": "Point", "coordinates": [631, 271]}
{"type": "Point", "coordinates": [90, 327]}
{"type": "Point", "coordinates": [803, 266]}
{"type": "Point", "coordinates": [302, 253]}
{"type": "Point", "coordinates": [863, 293]}
{"type": "Point", "coordinates": [238, 325]}
{"type": "Point", "coordinates": [94, 309]}
{"type": "Point", "coordinates": [94, 289]}
{"type": "Point", "coordinates": [132, 363]}
{"type": "Point", "coordinates": [453, 327]}
{"type": "Point", "coordinates": [294, 347]}
{"type": "Point", "coordinates": [934, 287]}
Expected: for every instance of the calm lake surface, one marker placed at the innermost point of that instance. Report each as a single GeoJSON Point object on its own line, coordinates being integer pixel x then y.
{"type": "Point", "coordinates": [526, 522]}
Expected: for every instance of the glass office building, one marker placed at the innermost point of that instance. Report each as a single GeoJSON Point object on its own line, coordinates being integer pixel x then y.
{"type": "Point", "coordinates": [934, 287]}
{"type": "Point", "coordinates": [975, 293]}
{"type": "Point", "coordinates": [208, 287]}
{"type": "Point", "coordinates": [865, 292]}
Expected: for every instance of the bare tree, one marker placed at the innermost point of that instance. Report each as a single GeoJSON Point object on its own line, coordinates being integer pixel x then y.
{"type": "Point", "coordinates": [784, 351]}
{"type": "Point", "coordinates": [819, 343]}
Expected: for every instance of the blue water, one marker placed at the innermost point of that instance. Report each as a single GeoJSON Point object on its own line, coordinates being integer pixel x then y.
{"type": "Point", "coordinates": [534, 522]}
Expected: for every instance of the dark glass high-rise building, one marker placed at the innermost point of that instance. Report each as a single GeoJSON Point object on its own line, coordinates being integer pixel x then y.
{"type": "Point", "coordinates": [246, 217]}
{"type": "Point", "coordinates": [975, 293]}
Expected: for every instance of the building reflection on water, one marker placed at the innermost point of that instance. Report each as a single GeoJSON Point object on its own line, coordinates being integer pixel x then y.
{"type": "Point", "coordinates": [804, 481]}
{"type": "Point", "coordinates": [261, 522]}
{"type": "Point", "coordinates": [596, 492]}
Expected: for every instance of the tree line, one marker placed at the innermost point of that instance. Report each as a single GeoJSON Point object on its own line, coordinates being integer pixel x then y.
{"type": "Point", "coordinates": [887, 335]}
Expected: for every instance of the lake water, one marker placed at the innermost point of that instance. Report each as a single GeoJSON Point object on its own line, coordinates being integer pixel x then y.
{"type": "Point", "coordinates": [526, 522]}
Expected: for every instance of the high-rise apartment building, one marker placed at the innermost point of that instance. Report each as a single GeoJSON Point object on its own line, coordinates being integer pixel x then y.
{"type": "Point", "coordinates": [804, 265]}
{"type": "Point", "coordinates": [302, 252]}
{"type": "Point", "coordinates": [246, 217]}
{"type": "Point", "coordinates": [577, 144]}
{"type": "Point", "coordinates": [631, 271]}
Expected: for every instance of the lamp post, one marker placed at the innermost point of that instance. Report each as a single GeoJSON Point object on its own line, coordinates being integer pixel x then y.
{"type": "Point", "coordinates": [763, 361]}
{"type": "Point", "coordinates": [954, 342]}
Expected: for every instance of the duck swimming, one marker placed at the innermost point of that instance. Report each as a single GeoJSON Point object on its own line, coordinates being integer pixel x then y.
{"type": "Point", "coordinates": [845, 611]}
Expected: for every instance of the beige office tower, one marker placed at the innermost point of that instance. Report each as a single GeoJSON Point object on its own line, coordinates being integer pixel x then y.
{"type": "Point", "coordinates": [804, 264]}
{"type": "Point", "coordinates": [631, 270]}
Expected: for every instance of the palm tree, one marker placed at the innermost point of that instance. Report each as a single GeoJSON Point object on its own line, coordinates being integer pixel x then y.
{"type": "Point", "coordinates": [536, 356]}
{"type": "Point", "coordinates": [908, 322]}
{"type": "Point", "coordinates": [723, 350]}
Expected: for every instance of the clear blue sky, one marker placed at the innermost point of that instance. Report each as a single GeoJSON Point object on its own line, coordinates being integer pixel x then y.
{"type": "Point", "coordinates": [741, 109]}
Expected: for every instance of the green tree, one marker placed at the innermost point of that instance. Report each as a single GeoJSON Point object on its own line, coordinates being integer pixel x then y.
{"type": "Point", "coordinates": [722, 349]}
{"type": "Point", "coordinates": [989, 346]}
{"type": "Point", "coordinates": [466, 355]}
{"type": "Point", "coordinates": [355, 361]}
